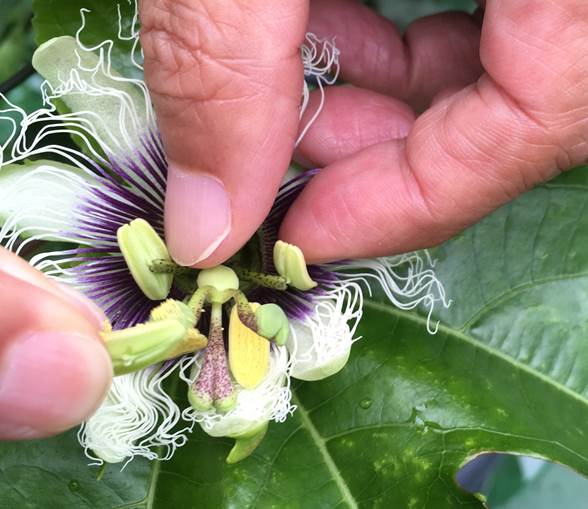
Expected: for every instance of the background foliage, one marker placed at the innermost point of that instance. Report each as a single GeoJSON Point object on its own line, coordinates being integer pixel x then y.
{"type": "Point", "coordinates": [508, 370]}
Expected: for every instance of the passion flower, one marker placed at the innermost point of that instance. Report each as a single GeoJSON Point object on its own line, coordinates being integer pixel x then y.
{"type": "Point", "coordinates": [90, 207]}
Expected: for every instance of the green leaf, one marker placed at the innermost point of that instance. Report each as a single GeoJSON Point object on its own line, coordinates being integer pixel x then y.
{"type": "Point", "coordinates": [507, 371]}
{"type": "Point", "coordinates": [52, 474]}
{"type": "Point", "coordinates": [16, 42]}
{"type": "Point", "coordinates": [54, 18]}
{"type": "Point", "coordinates": [403, 12]}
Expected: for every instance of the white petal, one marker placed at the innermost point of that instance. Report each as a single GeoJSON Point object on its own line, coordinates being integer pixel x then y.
{"type": "Point", "coordinates": [311, 366]}
{"type": "Point", "coordinates": [320, 345]}
{"type": "Point", "coordinates": [38, 200]}
{"type": "Point", "coordinates": [116, 108]}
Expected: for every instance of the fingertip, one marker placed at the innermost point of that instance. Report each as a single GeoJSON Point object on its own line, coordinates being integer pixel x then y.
{"type": "Point", "coordinates": [49, 382]}
{"type": "Point", "coordinates": [16, 267]}
{"type": "Point", "coordinates": [362, 206]}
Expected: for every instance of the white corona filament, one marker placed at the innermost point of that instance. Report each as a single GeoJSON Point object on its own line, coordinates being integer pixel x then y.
{"type": "Point", "coordinates": [269, 401]}
{"type": "Point", "coordinates": [138, 418]}
{"type": "Point", "coordinates": [320, 58]}
{"type": "Point", "coordinates": [408, 281]}
{"type": "Point", "coordinates": [320, 344]}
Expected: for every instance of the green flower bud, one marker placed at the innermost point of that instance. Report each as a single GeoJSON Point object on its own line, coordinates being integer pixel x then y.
{"type": "Point", "coordinates": [222, 281]}
{"type": "Point", "coordinates": [272, 323]}
{"type": "Point", "coordinates": [290, 264]}
{"type": "Point", "coordinates": [140, 245]}
{"type": "Point", "coordinates": [246, 443]}
{"type": "Point", "coordinates": [142, 345]}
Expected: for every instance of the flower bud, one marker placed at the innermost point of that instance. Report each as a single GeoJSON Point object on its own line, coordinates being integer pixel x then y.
{"type": "Point", "coordinates": [290, 264]}
{"type": "Point", "coordinates": [140, 246]}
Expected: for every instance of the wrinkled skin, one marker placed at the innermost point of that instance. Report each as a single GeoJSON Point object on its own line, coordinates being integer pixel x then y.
{"type": "Point", "coordinates": [439, 128]}
{"type": "Point", "coordinates": [505, 107]}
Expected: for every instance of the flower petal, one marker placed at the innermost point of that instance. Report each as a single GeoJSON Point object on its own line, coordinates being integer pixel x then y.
{"type": "Point", "coordinates": [115, 107]}
{"type": "Point", "coordinates": [320, 345]}
{"type": "Point", "coordinates": [38, 200]}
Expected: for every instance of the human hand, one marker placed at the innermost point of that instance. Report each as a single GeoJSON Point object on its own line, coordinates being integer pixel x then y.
{"type": "Point", "coordinates": [54, 371]}
{"type": "Point", "coordinates": [508, 109]}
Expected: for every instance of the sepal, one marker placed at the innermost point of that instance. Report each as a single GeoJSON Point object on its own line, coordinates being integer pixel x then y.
{"type": "Point", "coordinates": [246, 443]}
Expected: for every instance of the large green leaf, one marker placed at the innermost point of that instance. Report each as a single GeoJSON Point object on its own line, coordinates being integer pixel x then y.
{"type": "Point", "coordinates": [507, 371]}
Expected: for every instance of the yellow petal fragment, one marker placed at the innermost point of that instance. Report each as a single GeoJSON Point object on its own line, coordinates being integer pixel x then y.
{"type": "Point", "coordinates": [248, 352]}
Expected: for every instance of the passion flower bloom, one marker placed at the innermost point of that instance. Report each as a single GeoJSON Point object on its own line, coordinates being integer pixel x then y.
{"type": "Point", "coordinates": [65, 200]}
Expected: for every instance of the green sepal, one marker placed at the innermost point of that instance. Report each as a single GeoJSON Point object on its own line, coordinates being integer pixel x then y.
{"type": "Point", "coordinates": [140, 346]}
{"type": "Point", "coordinates": [290, 264]}
{"type": "Point", "coordinates": [247, 443]}
{"type": "Point", "coordinates": [272, 323]}
{"type": "Point", "coordinates": [140, 245]}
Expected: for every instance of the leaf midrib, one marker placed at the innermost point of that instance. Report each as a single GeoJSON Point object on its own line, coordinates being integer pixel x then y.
{"type": "Point", "coordinates": [320, 443]}
{"type": "Point", "coordinates": [481, 345]}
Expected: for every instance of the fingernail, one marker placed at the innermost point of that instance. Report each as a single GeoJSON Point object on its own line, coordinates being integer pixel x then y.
{"type": "Point", "coordinates": [90, 310]}
{"type": "Point", "coordinates": [197, 215]}
{"type": "Point", "coordinates": [49, 382]}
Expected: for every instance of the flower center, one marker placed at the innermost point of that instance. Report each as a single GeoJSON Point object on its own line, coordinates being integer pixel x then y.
{"type": "Point", "coordinates": [172, 327]}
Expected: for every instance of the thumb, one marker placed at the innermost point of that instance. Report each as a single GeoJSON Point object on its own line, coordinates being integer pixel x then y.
{"type": "Point", "coordinates": [226, 82]}
{"type": "Point", "coordinates": [469, 153]}
{"type": "Point", "coordinates": [54, 371]}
